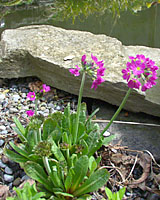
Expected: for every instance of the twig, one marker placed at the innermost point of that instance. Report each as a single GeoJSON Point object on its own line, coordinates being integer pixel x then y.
{"type": "Point", "coordinates": [132, 168]}
{"type": "Point", "coordinates": [123, 122]}
{"type": "Point", "coordinates": [152, 157]}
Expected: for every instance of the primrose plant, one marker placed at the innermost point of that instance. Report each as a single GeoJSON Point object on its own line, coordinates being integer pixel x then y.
{"type": "Point", "coordinates": [58, 151]}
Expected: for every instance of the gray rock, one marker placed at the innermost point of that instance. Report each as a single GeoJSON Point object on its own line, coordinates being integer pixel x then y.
{"type": "Point", "coordinates": [16, 97]}
{"type": "Point", "coordinates": [51, 105]}
{"type": "Point", "coordinates": [1, 142]}
{"type": "Point", "coordinates": [13, 110]}
{"type": "Point", "coordinates": [17, 181]}
{"type": "Point", "coordinates": [8, 170]}
{"type": "Point", "coordinates": [2, 128]}
{"type": "Point", "coordinates": [4, 132]}
{"type": "Point", "coordinates": [23, 95]}
{"type": "Point", "coordinates": [58, 108]}
{"type": "Point", "coordinates": [2, 97]}
{"type": "Point", "coordinates": [8, 178]}
{"type": "Point", "coordinates": [25, 177]}
{"type": "Point", "coordinates": [46, 48]}
{"type": "Point", "coordinates": [2, 165]}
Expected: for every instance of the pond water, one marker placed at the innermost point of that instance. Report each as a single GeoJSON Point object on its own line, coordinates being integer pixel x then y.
{"type": "Point", "coordinates": [141, 28]}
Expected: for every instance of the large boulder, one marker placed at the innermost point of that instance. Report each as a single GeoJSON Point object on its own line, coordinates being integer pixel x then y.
{"type": "Point", "coordinates": [48, 52]}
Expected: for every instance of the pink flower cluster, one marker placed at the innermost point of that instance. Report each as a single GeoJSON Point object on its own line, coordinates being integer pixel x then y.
{"type": "Point", "coordinates": [32, 96]}
{"type": "Point", "coordinates": [94, 69]}
{"type": "Point", "coordinates": [140, 72]}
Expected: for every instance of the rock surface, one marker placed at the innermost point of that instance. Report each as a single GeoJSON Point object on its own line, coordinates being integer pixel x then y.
{"type": "Point", "coordinates": [48, 52]}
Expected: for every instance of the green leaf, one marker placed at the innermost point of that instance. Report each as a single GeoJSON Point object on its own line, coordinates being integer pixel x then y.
{"type": "Point", "coordinates": [19, 150]}
{"type": "Point", "coordinates": [121, 193]}
{"type": "Point", "coordinates": [55, 178]}
{"type": "Point", "coordinates": [19, 125]}
{"type": "Point", "coordinates": [65, 138]}
{"type": "Point", "coordinates": [80, 171]}
{"type": "Point", "coordinates": [92, 115]}
{"type": "Point", "coordinates": [107, 140]}
{"type": "Point", "coordinates": [92, 164]}
{"type": "Point", "coordinates": [93, 183]}
{"type": "Point", "coordinates": [30, 139]}
{"type": "Point", "coordinates": [85, 147]}
{"type": "Point", "coordinates": [48, 126]}
{"type": "Point", "coordinates": [68, 180]}
{"type": "Point", "coordinates": [81, 131]}
{"type": "Point", "coordinates": [56, 135]}
{"type": "Point", "coordinates": [82, 116]}
{"type": "Point", "coordinates": [85, 197]}
{"type": "Point", "coordinates": [57, 152]}
{"type": "Point", "coordinates": [36, 172]}
{"type": "Point", "coordinates": [64, 194]}
{"type": "Point", "coordinates": [94, 143]}
{"type": "Point", "coordinates": [20, 135]}
{"type": "Point", "coordinates": [109, 193]}
{"type": "Point", "coordinates": [14, 156]}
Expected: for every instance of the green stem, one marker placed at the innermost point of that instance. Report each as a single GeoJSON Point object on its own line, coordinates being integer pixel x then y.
{"type": "Point", "coordinates": [35, 137]}
{"type": "Point", "coordinates": [36, 104]}
{"type": "Point", "coordinates": [118, 111]}
{"type": "Point", "coordinates": [46, 164]}
{"type": "Point", "coordinates": [79, 107]}
{"type": "Point", "coordinates": [39, 138]}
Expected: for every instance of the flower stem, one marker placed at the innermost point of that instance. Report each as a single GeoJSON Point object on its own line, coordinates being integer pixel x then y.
{"type": "Point", "coordinates": [79, 108]}
{"type": "Point", "coordinates": [36, 103]}
{"type": "Point", "coordinates": [35, 137]}
{"type": "Point", "coordinates": [118, 111]}
{"type": "Point", "coordinates": [46, 164]}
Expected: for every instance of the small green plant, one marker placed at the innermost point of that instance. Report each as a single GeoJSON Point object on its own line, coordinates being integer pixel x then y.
{"type": "Point", "coordinates": [115, 195]}
{"type": "Point", "coordinates": [58, 151]}
{"type": "Point", "coordinates": [28, 192]}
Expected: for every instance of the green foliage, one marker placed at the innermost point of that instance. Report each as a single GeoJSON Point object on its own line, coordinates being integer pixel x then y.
{"type": "Point", "coordinates": [49, 154]}
{"type": "Point", "coordinates": [62, 181]}
{"type": "Point", "coordinates": [28, 192]}
{"type": "Point", "coordinates": [115, 195]}
{"type": "Point", "coordinates": [66, 9]}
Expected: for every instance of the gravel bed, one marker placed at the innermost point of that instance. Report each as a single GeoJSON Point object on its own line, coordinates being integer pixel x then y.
{"type": "Point", "coordinates": [14, 102]}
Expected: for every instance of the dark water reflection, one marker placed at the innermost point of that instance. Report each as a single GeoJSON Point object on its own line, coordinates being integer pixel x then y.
{"type": "Point", "coordinates": [140, 29]}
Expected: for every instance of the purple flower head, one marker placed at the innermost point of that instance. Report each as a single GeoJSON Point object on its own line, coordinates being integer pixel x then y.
{"type": "Point", "coordinates": [126, 74]}
{"type": "Point", "coordinates": [94, 58]}
{"type": "Point", "coordinates": [142, 68]}
{"type": "Point", "coordinates": [97, 82]}
{"type": "Point", "coordinates": [30, 113]}
{"type": "Point", "coordinates": [100, 71]}
{"type": "Point", "coordinates": [75, 71]}
{"type": "Point", "coordinates": [45, 88]}
{"type": "Point", "coordinates": [134, 83]}
{"type": "Point", "coordinates": [31, 96]}
{"type": "Point", "coordinates": [138, 68]}
{"type": "Point", "coordinates": [83, 59]}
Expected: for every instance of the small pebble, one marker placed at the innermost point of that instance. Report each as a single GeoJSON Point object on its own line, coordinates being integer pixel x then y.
{"type": "Point", "coordinates": [1, 142]}
{"type": "Point", "coordinates": [2, 96]}
{"type": "Point", "coordinates": [16, 97]}
{"type": "Point", "coordinates": [8, 170]}
{"type": "Point", "coordinates": [8, 178]}
{"type": "Point", "coordinates": [2, 165]}
{"type": "Point", "coordinates": [13, 110]}
{"type": "Point", "coordinates": [17, 181]}
{"type": "Point", "coordinates": [58, 108]}
{"type": "Point", "coordinates": [106, 134]}
{"type": "Point", "coordinates": [5, 159]}
{"type": "Point", "coordinates": [4, 132]}
{"type": "Point", "coordinates": [2, 128]}
{"type": "Point", "coordinates": [24, 178]}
